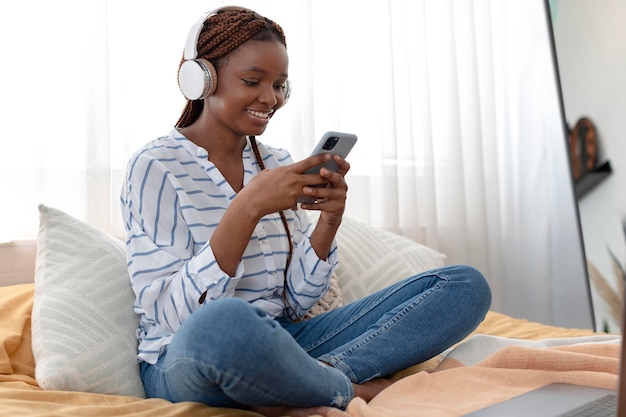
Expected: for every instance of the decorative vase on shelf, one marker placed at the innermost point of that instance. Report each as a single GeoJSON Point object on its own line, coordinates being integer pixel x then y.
{"type": "Point", "coordinates": [583, 146]}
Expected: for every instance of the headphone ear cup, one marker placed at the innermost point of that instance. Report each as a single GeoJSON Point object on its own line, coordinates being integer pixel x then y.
{"type": "Point", "coordinates": [197, 79]}
{"type": "Point", "coordinates": [287, 92]}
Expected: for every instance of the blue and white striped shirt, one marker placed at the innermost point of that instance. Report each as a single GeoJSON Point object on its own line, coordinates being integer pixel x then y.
{"type": "Point", "coordinates": [172, 199]}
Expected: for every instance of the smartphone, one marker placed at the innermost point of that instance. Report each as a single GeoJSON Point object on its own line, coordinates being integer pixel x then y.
{"type": "Point", "coordinates": [331, 142]}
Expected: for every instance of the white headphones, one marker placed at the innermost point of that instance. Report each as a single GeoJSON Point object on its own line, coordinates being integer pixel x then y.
{"type": "Point", "coordinates": [197, 78]}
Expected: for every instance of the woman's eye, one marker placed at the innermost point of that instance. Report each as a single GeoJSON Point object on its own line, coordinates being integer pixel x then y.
{"type": "Point", "coordinates": [250, 82]}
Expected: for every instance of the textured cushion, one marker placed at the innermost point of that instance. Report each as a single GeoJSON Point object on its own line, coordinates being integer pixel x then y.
{"type": "Point", "coordinates": [371, 259]}
{"type": "Point", "coordinates": [331, 300]}
{"type": "Point", "coordinates": [83, 323]}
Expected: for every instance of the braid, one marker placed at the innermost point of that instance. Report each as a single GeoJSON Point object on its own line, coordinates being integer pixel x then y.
{"type": "Point", "coordinates": [222, 33]}
{"type": "Point", "coordinates": [259, 160]}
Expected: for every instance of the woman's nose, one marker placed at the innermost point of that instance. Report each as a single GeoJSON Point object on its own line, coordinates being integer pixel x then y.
{"type": "Point", "coordinates": [269, 96]}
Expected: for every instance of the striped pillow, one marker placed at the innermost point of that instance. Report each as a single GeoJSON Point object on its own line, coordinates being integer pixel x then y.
{"type": "Point", "coordinates": [371, 259]}
{"type": "Point", "coordinates": [83, 324]}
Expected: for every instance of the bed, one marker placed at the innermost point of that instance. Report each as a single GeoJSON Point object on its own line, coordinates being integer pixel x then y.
{"type": "Point", "coordinates": [504, 357]}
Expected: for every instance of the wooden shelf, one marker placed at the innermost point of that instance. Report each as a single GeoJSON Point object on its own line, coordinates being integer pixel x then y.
{"type": "Point", "coordinates": [591, 179]}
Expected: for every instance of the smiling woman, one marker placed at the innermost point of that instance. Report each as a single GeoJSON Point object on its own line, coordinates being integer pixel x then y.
{"type": "Point", "coordinates": [225, 264]}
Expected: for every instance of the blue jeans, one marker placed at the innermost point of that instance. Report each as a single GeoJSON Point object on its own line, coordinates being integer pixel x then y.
{"type": "Point", "coordinates": [231, 354]}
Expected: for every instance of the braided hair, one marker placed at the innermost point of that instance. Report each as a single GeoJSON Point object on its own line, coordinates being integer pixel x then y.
{"type": "Point", "coordinates": [223, 32]}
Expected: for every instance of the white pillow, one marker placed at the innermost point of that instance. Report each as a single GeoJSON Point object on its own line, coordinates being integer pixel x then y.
{"type": "Point", "coordinates": [371, 259]}
{"type": "Point", "coordinates": [83, 323]}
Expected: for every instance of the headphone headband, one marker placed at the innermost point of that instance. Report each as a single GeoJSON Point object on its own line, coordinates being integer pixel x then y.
{"type": "Point", "coordinates": [191, 46]}
{"type": "Point", "coordinates": [191, 50]}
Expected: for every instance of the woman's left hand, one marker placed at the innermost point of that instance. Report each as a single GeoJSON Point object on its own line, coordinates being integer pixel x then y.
{"type": "Point", "coordinates": [331, 200]}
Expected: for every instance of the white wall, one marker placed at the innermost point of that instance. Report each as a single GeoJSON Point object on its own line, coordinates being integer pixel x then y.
{"type": "Point", "coordinates": [590, 40]}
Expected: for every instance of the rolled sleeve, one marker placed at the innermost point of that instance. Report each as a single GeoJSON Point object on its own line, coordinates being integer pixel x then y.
{"type": "Point", "coordinates": [310, 278]}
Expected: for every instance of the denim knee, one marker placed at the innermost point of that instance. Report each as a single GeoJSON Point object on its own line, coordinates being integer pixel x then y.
{"type": "Point", "coordinates": [476, 290]}
{"type": "Point", "coordinates": [225, 328]}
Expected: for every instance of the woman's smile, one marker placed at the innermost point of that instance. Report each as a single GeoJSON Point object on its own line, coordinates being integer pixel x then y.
{"type": "Point", "coordinates": [259, 114]}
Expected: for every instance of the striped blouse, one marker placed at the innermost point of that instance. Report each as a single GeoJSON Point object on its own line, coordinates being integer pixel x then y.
{"type": "Point", "coordinates": [172, 199]}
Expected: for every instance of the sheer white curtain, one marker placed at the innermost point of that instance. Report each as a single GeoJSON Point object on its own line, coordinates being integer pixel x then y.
{"type": "Point", "coordinates": [448, 99]}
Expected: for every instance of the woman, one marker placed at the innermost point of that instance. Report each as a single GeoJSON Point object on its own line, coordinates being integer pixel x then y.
{"type": "Point", "coordinates": [224, 264]}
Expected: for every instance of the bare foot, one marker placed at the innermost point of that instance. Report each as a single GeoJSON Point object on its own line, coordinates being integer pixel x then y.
{"type": "Point", "coordinates": [370, 389]}
{"type": "Point", "coordinates": [290, 411]}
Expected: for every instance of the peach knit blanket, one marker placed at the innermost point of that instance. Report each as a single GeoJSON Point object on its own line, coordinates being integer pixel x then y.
{"type": "Point", "coordinates": [488, 369]}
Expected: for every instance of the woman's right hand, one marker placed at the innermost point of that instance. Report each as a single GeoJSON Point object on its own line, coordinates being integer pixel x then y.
{"type": "Point", "coordinates": [278, 188]}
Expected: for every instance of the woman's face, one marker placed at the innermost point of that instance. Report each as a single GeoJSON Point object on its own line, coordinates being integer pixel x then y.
{"type": "Point", "coordinates": [250, 87]}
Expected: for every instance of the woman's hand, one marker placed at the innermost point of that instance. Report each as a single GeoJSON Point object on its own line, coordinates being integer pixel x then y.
{"type": "Point", "coordinates": [330, 200]}
{"type": "Point", "coordinates": [278, 188]}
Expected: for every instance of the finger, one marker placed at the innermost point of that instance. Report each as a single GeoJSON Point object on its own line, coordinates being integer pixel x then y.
{"type": "Point", "coordinates": [334, 204]}
{"type": "Point", "coordinates": [309, 162]}
{"type": "Point", "coordinates": [344, 166]}
{"type": "Point", "coordinates": [335, 179]}
{"type": "Point", "coordinates": [332, 192]}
